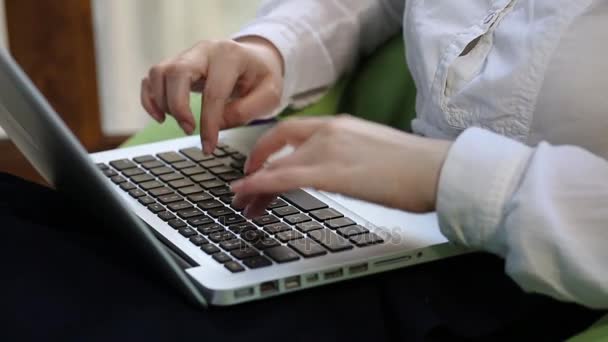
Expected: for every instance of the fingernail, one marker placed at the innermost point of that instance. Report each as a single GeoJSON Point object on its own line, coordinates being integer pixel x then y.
{"type": "Point", "coordinates": [187, 127]}
{"type": "Point", "coordinates": [246, 212]}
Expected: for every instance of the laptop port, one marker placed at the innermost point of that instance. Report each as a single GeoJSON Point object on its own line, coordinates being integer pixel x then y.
{"type": "Point", "coordinates": [244, 292]}
{"type": "Point", "coordinates": [354, 269]}
{"type": "Point", "coordinates": [269, 287]}
{"type": "Point", "coordinates": [312, 278]}
{"type": "Point", "coordinates": [333, 274]}
{"type": "Point", "coordinates": [292, 283]}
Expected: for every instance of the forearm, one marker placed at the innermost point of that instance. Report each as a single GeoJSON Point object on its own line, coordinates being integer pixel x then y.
{"type": "Point", "coordinates": [319, 40]}
{"type": "Point", "coordinates": [542, 209]}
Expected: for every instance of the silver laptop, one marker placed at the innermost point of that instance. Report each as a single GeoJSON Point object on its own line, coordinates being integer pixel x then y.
{"type": "Point", "coordinates": [174, 204]}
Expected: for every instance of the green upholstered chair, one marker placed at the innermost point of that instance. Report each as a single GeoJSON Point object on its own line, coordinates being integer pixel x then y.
{"type": "Point", "coordinates": [381, 90]}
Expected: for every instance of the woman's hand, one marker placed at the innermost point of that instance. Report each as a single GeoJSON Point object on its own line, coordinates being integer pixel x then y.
{"type": "Point", "coordinates": [240, 81]}
{"type": "Point", "coordinates": [344, 155]}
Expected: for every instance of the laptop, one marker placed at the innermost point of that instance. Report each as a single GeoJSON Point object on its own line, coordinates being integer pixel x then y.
{"type": "Point", "coordinates": [173, 204]}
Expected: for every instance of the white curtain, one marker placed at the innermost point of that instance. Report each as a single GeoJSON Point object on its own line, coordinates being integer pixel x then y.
{"type": "Point", "coordinates": [132, 35]}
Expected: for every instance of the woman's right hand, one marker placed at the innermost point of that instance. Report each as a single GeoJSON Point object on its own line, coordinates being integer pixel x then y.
{"type": "Point", "coordinates": [240, 80]}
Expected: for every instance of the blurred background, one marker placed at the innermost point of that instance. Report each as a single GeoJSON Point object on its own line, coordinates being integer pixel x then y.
{"type": "Point", "coordinates": [89, 56]}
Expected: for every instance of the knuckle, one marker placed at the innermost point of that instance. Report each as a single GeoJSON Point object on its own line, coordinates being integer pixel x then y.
{"type": "Point", "coordinates": [156, 71]}
{"type": "Point", "coordinates": [274, 93]}
{"type": "Point", "coordinates": [177, 68]}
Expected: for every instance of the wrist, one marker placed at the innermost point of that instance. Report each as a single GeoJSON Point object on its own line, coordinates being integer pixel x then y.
{"type": "Point", "coordinates": [267, 49]}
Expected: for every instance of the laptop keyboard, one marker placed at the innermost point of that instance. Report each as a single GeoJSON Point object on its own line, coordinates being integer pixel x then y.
{"type": "Point", "coordinates": [190, 191]}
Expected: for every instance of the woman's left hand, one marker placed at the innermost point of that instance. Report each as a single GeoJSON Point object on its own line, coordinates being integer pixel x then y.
{"type": "Point", "coordinates": [343, 155]}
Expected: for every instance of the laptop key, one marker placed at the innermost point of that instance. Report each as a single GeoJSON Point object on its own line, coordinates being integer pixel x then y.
{"type": "Point", "coordinates": [339, 223]}
{"type": "Point", "coordinates": [210, 249]}
{"type": "Point", "coordinates": [277, 227]}
{"type": "Point", "coordinates": [289, 235]}
{"type": "Point", "coordinates": [253, 236]}
{"type": "Point", "coordinates": [265, 220]}
{"type": "Point", "coordinates": [199, 220]}
{"type": "Point", "coordinates": [166, 216]}
{"type": "Point", "coordinates": [144, 159]}
{"type": "Point", "coordinates": [221, 191]}
{"type": "Point", "coordinates": [366, 239]}
{"type": "Point", "coordinates": [199, 197]}
{"type": "Point", "coordinates": [187, 232]}
{"type": "Point", "coordinates": [227, 199]}
{"type": "Point", "coordinates": [152, 164]}
{"type": "Point", "coordinates": [307, 248]}
{"type": "Point", "coordinates": [210, 228]}
{"type": "Point", "coordinates": [238, 164]}
{"type": "Point", "coordinates": [170, 198]}
{"type": "Point", "coordinates": [163, 170]}
{"type": "Point", "coordinates": [188, 213]}
{"type": "Point", "coordinates": [221, 211]}
{"type": "Point", "coordinates": [136, 193]}
{"type": "Point", "coordinates": [209, 204]}
{"type": "Point", "coordinates": [221, 236]}
{"type": "Point", "coordinates": [265, 243]}
{"type": "Point", "coordinates": [191, 171]}
{"type": "Point", "coordinates": [118, 179]}
{"type": "Point", "coordinates": [171, 177]}
{"type": "Point", "coordinates": [189, 190]}
{"type": "Point", "coordinates": [109, 173]}
{"type": "Point", "coordinates": [257, 262]}
{"type": "Point", "coordinates": [349, 231]}
{"type": "Point", "coordinates": [284, 211]}
{"type": "Point", "coordinates": [142, 178]}
{"type": "Point", "coordinates": [330, 240]}
{"type": "Point", "coordinates": [239, 156]}
{"type": "Point", "coordinates": [177, 223]}
{"type": "Point", "coordinates": [180, 183]}
{"type": "Point", "coordinates": [240, 228]}
{"type": "Point", "coordinates": [198, 240]}
{"type": "Point", "coordinates": [146, 200]}
{"type": "Point", "coordinates": [281, 254]}
{"type": "Point", "coordinates": [156, 208]}
{"type": "Point", "coordinates": [133, 172]}
{"type": "Point", "coordinates": [211, 163]}
{"type": "Point", "coordinates": [176, 206]}
{"type": "Point", "coordinates": [325, 214]}
{"type": "Point", "coordinates": [203, 177]}
{"type": "Point", "coordinates": [244, 253]}
{"type": "Point", "coordinates": [122, 164]}
{"type": "Point", "coordinates": [170, 157]}
{"type": "Point", "coordinates": [102, 166]}
{"type": "Point", "coordinates": [183, 164]}
{"type": "Point", "coordinates": [230, 150]}
{"type": "Point", "coordinates": [231, 219]}
{"type": "Point", "coordinates": [160, 191]}
{"type": "Point", "coordinates": [234, 266]}
{"type": "Point", "coordinates": [127, 186]}
{"type": "Point", "coordinates": [151, 185]}
{"type": "Point", "coordinates": [218, 170]}
{"type": "Point", "coordinates": [276, 203]}
{"type": "Point", "coordinates": [230, 245]}
{"type": "Point", "coordinates": [216, 183]}
{"type": "Point", "coordinates": [195, 154]}
{"type": "Point", "coordinates": [306, 227]}
{"type": "Point", "coordinates": [297, 218]}
{"type": "Point", "coordinates": [221, 257]}
{"type": "Point", "coordinates": [219, 153]}
{"type": "Point", "coordinates": [303, 200]}
{"type": "Point", "coordinates": [231, 176]}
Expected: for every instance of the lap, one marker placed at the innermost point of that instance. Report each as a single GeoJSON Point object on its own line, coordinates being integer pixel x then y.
{"type": "Point", "coordinates": [64, 277]}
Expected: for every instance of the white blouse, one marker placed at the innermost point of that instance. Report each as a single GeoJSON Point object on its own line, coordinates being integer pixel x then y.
{"type": "Point", "coordinates": [530, 70]}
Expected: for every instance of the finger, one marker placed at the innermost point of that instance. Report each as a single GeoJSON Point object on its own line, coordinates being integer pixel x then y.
{"type": "Point", "coordinates": [178, 97]}
{"type": "Point", "coordinates": [289, 132]}
{"type": "Point", "coordinates": [146, 101]}
{"type": "Point", "coordinates": [279, 181]}
{"type": "Point", "coordinates": [157, 87]}
{"type": "Point", "coordinates": [262, 100]}
{"type": "Point", "coordinates": [221, 78]}
{"type": "Point", "coordinates": [257, 205]}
